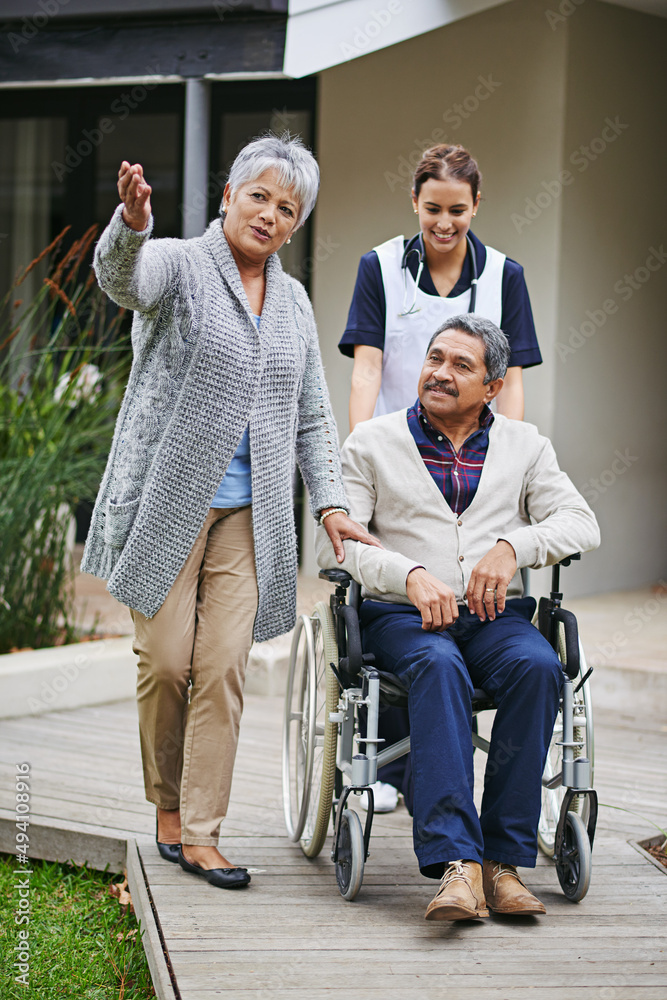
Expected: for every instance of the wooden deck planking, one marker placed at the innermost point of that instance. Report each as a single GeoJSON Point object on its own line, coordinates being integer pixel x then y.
{"type": "Point", "coordinates": [297, 929]}
{"type": "Point", "coordinates": [291, 935]}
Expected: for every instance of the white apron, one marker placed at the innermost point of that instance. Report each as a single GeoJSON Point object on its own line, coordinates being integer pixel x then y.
{"type": "Point", "coordinates": [406, 337]}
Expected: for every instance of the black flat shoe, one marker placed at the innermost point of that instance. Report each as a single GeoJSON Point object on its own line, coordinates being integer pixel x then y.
{"type": "Point", "coordinates": [167, 851]}
{"type": "Point", "coordinates": [221, 878]}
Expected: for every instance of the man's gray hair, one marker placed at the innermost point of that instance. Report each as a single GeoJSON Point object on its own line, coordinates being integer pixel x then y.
{"type": "Point", "coordinates": [496, 344]}
{"type": "Point", "coordinates": [288, 156]}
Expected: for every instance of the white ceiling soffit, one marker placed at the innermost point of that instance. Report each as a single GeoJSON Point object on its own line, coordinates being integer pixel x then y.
{"type": "Point", "coordinates": [323, 33]}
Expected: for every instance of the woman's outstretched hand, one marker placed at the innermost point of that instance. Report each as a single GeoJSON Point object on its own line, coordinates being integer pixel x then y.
{"type": "Point", "coordinates": [340, 526]}
{"type": "Point", "coordinates": [135, 194]}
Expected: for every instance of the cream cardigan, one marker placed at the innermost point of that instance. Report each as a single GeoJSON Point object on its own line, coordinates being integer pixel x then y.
{"type": "Point", "coordinates": [522, 497]}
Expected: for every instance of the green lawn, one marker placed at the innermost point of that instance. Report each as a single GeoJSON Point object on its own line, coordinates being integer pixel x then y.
{"type": "Point", "coordinates": [82, 943]}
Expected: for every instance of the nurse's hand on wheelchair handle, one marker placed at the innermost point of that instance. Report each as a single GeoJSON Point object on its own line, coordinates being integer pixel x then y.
{"type": "Point", "coordinates": [340, 526]}
{"type": "Point", "coordinates": [433, 599]}
{"type": "Point", "coordinates": [489, 581]}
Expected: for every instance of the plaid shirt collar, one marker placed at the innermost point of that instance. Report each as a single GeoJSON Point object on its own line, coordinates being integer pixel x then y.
{"type": "Point", "coordinates": [456, 474]}
{"type": "Point", "coordinates": [436, 437]}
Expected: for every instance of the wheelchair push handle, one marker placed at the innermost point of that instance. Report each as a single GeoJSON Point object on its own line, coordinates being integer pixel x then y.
{"type": "Point", "coordinates": [555, 570]}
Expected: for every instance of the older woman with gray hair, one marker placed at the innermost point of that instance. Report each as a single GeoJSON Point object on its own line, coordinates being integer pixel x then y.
{"type": "Point", "coordinates": [193, 525]}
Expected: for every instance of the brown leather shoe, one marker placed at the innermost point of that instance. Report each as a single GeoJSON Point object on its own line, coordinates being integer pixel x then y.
{"type": "Point", "coordinates": [460, 896]}
{"type": "Point", "coordinates": [506, 893]}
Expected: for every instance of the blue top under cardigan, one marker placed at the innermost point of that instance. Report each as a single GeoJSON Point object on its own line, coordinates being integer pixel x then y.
{"type": "Point", "coordinates": [235, 490]}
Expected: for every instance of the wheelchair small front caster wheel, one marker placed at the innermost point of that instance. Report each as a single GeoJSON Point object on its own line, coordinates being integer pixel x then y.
{"type": "Point", "coordinates": [351, 854]}
{"type": "Point", "coordinates": [573, 864]}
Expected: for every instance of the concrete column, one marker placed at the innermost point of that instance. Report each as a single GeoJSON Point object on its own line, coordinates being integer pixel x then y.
{"type": "Point", "coordinates": [195, 157]}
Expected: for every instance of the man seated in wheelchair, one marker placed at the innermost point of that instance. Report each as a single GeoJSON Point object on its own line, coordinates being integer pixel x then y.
{"type": "Point", "coordinates": [462, 499]}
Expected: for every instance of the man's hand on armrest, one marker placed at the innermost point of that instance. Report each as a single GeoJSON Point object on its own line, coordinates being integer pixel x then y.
{"type": "Point", "coordinates": [489, 581]}
{"type": "Point", "coordinates": [433, 599]}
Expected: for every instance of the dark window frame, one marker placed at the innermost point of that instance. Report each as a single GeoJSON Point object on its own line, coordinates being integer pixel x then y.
{"type": "Point", "coordinates": [250, 96]}
{"type": "Point", "coordinates": [83, 106]}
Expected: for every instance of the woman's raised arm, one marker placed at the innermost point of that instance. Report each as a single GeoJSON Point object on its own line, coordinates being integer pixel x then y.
{"type": "Point", "coordinates": [134, 270]}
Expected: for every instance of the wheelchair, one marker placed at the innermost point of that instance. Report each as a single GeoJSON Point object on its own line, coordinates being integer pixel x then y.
{"type": "Point", "coordinates": [330, 679]}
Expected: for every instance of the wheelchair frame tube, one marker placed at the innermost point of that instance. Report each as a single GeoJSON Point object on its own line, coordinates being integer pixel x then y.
{"type": "Point", "coordinates": [393, 752]}
{"type": "Point", "coordinates": [568, 734]}
{"type": "Point", "coordinates": [370, 742]}
{"type": "Point", "coordinates": [346, 741]}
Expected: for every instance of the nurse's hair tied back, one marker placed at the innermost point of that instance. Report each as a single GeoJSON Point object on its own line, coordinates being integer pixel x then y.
{"type": "Point", "coordinates": [448, 162]}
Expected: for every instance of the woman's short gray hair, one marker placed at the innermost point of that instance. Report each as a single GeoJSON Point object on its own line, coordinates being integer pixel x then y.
{"type": "Point", "coordinates": [496, 344]}
{"type": "Point", "coordinates": [290, 158]}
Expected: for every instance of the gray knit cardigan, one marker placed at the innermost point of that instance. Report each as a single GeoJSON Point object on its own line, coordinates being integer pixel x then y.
{"type": "Point", "coordinates": [201, 373]}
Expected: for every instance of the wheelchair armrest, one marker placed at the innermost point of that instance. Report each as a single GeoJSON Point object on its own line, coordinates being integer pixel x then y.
{"type": "Point", "coordinates": [571, 630]}
{"type": "Point", "coordinates": [352, 663]}
{"type": "Point", "coordinates": [548, 618]}
{"type": "Point", "coordinates": [337, 576]}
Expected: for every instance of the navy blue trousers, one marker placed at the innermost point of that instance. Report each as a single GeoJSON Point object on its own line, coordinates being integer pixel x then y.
{"type": "Point", "coordinates": [520, 671]}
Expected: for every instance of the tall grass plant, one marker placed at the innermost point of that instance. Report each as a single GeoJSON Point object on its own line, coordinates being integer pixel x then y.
{"type": "Point", "coordinates": [64, 361]}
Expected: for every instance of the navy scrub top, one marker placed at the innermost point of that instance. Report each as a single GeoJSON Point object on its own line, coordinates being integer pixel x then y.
{"type": "Point", "coordinates": [366, 318]}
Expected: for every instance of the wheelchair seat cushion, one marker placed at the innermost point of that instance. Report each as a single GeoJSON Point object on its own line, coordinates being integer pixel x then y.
{"type": "Point", "coordinates": [392, 692]}
{"type": "Point", "coordinates": [394, 695]}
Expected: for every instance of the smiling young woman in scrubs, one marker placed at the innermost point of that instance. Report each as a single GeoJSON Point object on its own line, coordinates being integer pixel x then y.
{"type": "Point", "coordinates": [405, 289]}
{"type": "Point", "coordinates": [396, 308]}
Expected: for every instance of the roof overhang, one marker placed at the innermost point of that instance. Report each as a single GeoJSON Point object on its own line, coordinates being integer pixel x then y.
{"type": "Point", "coordinates": [325, 33]}
{"type": "Point", "coordinates": [87, 42]}
{"type": "Point", "coordinates": [97, 42]}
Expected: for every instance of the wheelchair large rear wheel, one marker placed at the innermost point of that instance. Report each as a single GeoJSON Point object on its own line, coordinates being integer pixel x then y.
{"type": "Point", "coordinates": [552, 798]}
{"type": "Point", "coordinates": [309, 738]}
{"type": "Point", "coordinates": [573, 863]}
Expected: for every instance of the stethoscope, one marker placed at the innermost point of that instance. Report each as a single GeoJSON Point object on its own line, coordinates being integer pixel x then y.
{"type": "Point", "coordinates": [416, 245]}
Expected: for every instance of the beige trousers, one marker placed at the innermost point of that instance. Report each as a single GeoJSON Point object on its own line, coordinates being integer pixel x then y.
{"type": "Point", "coordinates": [192, 660]}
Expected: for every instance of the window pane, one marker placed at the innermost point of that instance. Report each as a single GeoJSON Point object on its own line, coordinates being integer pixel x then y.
{"type": "Point", "coordinates": [155, 142]}
{"type": "Point", "coordinates": [238, 128]}
{"type": "Point", "coordinates": [32, 191]}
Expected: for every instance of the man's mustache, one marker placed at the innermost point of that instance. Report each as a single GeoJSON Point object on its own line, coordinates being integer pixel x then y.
{"type": "Point", "coordinates": [434, 384]}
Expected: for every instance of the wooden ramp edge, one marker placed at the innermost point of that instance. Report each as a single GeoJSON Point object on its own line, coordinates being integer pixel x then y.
{"type": "Point", "coordinates": [67, 842]}
{"type": "Point", "coordinates": [164, 981]}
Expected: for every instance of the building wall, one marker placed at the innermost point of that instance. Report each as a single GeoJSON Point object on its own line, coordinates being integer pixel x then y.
{"type": "Point", "coordinates": [549, 87]}
{"type": "Point", "coordinates": [376, 115]}
{"type": "Point", "coordinates": [379, 112]}
{"type": "Point", "coordinates": [609, 370]}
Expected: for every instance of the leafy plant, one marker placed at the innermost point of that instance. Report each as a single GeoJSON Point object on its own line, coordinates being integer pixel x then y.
{"type": "Point", "coordinates": [64, 361]}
